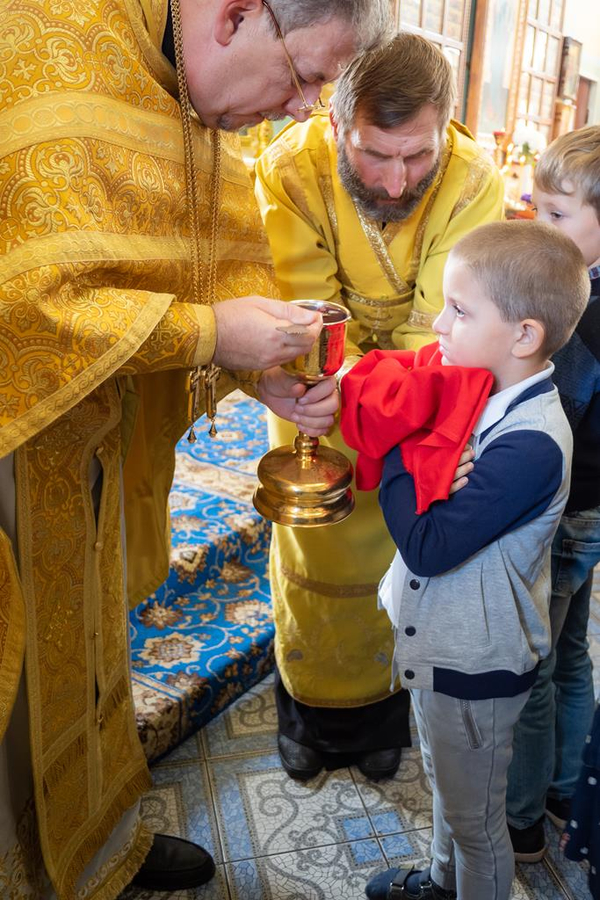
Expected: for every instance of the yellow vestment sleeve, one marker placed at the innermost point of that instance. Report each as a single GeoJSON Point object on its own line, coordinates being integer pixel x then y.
{"type": "Point", "coordinates": [304, 266]}
{"type": "Point", "coordinates": [300, 241]}
{"type": "Point", "coordinates": [184, 337]}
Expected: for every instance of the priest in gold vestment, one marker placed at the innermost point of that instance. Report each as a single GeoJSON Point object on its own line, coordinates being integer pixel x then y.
{"type": "Point", "coordinates": [361, 210]}
{"type": "Point", "coordinates": [123, 218]}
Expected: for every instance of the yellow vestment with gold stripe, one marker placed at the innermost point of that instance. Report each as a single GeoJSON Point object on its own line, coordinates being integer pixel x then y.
{"type": "Point", "coordinates": [333, 646]}
{"type": "Point", "coordinates": [97, 329]}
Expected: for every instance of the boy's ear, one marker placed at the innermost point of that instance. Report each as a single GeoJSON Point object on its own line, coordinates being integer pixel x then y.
{"type": "Point", "coordinates": [530, 338]}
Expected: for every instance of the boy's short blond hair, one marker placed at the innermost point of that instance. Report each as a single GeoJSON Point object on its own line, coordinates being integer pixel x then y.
{"type": "Point", "coordinates": [573, 157]}
{"type": "Point", "coordinates": [529, 271]}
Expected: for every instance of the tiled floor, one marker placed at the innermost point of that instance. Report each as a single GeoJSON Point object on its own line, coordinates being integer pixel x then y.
{"type": "Point", "coordinates": [278, 839]}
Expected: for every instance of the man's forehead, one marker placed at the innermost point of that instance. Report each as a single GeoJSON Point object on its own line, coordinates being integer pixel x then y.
{"type": "Point", "coordinates": [412, 135]}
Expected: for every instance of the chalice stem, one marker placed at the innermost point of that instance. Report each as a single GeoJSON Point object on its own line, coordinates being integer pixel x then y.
{"type": "Point", "coordinates": [306, 449]}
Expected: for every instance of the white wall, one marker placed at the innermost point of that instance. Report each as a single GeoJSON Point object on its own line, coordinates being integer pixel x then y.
{"type": "Point", "coordinates": [582, 22]}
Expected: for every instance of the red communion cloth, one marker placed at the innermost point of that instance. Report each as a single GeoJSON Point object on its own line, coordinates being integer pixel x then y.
{"type": "Point", "coordinates": [408, 398]}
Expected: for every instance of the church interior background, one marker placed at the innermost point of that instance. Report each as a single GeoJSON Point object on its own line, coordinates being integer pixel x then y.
{"type": "Point", "coordinates": [526, 71]}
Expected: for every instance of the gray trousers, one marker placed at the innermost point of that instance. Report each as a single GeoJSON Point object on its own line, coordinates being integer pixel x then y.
{"type": "Point", "coordinates": [466, 747]}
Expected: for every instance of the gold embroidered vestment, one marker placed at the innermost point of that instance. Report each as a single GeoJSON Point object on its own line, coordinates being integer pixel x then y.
{"type": "Point", "coordinates": [97, 329]}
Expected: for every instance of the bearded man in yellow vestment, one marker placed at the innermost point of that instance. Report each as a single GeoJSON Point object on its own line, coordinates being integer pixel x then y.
{"type": "Point", "coordinates": [118, 231]}
{"type": "Point", "coordinates": [361, 208]}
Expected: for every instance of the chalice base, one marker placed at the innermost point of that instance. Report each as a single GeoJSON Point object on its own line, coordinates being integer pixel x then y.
{"type": "Point", "coordinates": [304, 491]}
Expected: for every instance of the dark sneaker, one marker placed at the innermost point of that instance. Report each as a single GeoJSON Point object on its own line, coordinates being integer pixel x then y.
{"type": "Point", "coordinates": [529, 844]}
{"type": "Point", "coordinates": [406, 884]}
{"type": "Point", "coordinates": [558, 811]}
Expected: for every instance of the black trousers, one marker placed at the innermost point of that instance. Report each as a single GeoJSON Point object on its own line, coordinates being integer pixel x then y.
{"type": "Point", "coordinates": [348, 729]}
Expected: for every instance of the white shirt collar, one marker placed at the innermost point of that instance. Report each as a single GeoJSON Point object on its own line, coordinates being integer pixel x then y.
{"type": "Point", "coordinates": [498, 403]}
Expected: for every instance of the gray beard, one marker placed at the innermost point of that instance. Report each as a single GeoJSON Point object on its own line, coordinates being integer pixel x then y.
{"type": "Point", "coordinates": [367, 199]}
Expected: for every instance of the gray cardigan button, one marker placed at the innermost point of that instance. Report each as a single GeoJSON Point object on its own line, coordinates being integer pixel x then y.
{"type": "Point", "coordinates": [414, 583]}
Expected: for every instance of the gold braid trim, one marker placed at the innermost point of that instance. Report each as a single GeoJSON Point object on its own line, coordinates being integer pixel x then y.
{"type": "Point", "coordinates": [128, 868]}
{"type": "Point", "coordinates": [130, 857]}
{"type": "Point", "coordinates": [155, 16]}
{"type": "Point", "coordinates": [478, 173]}
{"type": "Point", "coordinates": [129, 863]}
{"type": "Point", "coordinates": [12, 632]}
{"type": "Point", "coordinates": [326, 189]}
{"type": "Point", "coordinates": [286, 167]}
{"type": "Point", "coordinates": [329, 590]}
{"type": "Point", "coordinates": [374, 236]}
{"type": "Point", "coordinates": [421, 319]}
{"type": "Point", "coordinates": [66, 877]}
{"type": "Point", "coordinates": [66, 116]}
{"type": "Point", "coordinates": [378, 302]}
{"type": "Point", "coordinates": [56, 771]}
{"type": "Point", "coordinates": [424, 221]}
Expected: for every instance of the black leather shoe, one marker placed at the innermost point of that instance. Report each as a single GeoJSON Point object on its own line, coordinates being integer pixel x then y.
{"type": "Point", "coordinates": [379, 764]}
{"type": "Point", "coordinates": [299, 762]}
{"type": "Point", "coordinates": [392, 885]}
{"type": "Point", "coordinates": [174, 865]}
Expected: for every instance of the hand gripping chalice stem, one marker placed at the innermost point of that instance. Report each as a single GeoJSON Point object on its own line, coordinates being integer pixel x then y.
{"type": "Point", "coordinates": [308, 484]}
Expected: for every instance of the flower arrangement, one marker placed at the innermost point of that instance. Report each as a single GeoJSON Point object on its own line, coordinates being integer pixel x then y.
{"type": "Point", "coordinates": [527, 145]}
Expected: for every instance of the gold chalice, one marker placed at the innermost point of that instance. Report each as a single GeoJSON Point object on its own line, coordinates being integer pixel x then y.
{"type": "Point", "coordinates": [307, 484]}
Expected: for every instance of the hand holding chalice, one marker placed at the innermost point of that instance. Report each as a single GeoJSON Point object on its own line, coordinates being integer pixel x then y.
{"type": "Point", "coordinates": [306, 484]}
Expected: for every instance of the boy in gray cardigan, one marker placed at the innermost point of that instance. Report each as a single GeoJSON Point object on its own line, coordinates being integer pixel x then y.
{"type": "Point", "coordinates": [468, 590]}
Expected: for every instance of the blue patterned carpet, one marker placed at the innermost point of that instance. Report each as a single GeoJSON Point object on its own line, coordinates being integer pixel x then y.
{"type": "Point", "coordinates": [206, 636]}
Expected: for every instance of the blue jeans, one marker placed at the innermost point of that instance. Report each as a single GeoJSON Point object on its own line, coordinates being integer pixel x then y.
{"type": "Point", "coordinates": [551, 731]}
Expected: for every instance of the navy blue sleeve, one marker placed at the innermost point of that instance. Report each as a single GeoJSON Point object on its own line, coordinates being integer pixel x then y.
{"type": "Point", "coordinates": [514, 481]}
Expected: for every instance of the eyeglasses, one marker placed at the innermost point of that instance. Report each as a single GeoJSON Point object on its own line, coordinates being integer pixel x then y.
{"type": "Point", "coordinates": [306, 106]}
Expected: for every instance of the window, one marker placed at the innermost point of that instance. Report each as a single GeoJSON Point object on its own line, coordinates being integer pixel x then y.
{"type": "Point", "coordinates": [446, 24]}
{"type": "Point", "coordinates": [536, 84]}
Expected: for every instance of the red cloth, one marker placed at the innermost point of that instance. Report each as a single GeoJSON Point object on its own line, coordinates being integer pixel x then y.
{"type": "Point", "coordinates": [396, 397]}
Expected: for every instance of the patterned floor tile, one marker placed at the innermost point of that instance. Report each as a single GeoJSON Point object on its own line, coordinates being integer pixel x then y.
{"type": "Point", "coordinates": [191, 750]}
{"type": "Point", "coordinates": [407, 848]}
{"type": "Point", "coordinates": [261, 811]}
{"type": "Point", "coordinates": [180, 803]}
{"type": "Point", "coordinates": [337, 872]}
{"type": "Point", "coordinates": [399, 804]}
{"type": "Point", "coordinates": [216, 889]}
{"type": "Point", "coordinates": [248, 726]}
{"type": "Point", "coordinates": [572, 876]}
{"type": "Point", "coordinates": [538, 882]}
{"type": "Point", "coordinates": [285, 840]}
